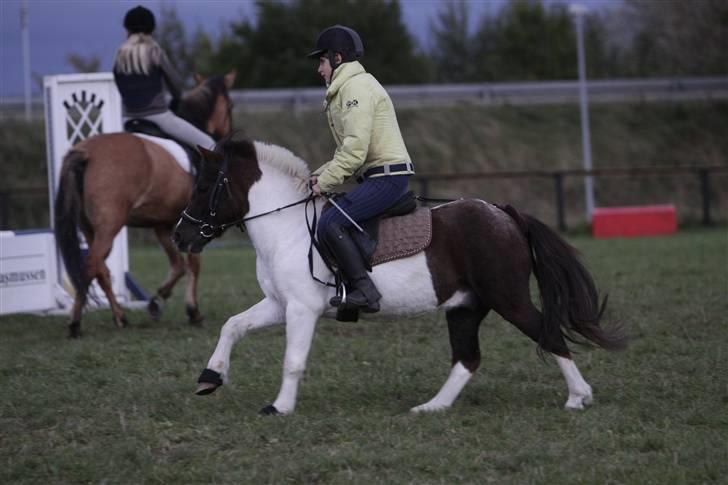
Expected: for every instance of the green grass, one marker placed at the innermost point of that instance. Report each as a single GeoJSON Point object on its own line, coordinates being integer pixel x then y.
{"type": "Point", "coordinates": [117, 406]}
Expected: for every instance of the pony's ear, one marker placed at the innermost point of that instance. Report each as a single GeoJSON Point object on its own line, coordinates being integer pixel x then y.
{"type": "Point", "coordinates": [209, 155]}
{"type": "Point", "coordinates": [198, 79]}
{"type": "Point", "coordinates": [230, 78]}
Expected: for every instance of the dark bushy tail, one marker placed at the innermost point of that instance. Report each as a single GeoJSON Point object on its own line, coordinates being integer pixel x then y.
{"type": "Point", "coordinates": [569, 298]}
{"type": "Point", "coordinates": [67, 212]}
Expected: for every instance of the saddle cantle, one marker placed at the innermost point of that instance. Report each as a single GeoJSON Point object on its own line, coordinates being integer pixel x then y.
{"type": "Point", "coordinates": [147, 127]}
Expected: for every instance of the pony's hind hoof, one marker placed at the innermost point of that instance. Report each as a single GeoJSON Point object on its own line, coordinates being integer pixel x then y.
{"type": "Point", "coordinates": [74, 329]}
{"type": "Point", "coordinates": [154, 307]}
{"type": "Point", "coordinates": [269, 410]}
{"type": "Point", "coordinates": [194, 317]}
{"type": "Point", "coordinates": [121, 322]}
{"type": "Point", "coordinates": [208, 381]}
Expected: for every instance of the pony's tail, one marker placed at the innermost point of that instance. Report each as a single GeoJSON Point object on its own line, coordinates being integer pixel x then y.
{"type": "Point", "coordinates": [67, 210]}
{"type": "Point", "coordinates": [569, 299]}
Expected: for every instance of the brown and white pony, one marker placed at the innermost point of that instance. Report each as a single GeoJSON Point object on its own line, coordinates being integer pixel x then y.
{"type": "Point", "coordinates": [480, 259]}
{"type": "Point", "coordinates": [117, 179]}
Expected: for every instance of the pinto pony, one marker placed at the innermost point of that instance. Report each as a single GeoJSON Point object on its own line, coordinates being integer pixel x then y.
{"type": "Point", "coordinates": [117, 179]}
{"type": "Point", "coordinates": [480, 259]}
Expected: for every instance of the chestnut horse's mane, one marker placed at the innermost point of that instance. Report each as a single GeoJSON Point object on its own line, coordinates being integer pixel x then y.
{"type": "Point", "coordinates": [197, 105]}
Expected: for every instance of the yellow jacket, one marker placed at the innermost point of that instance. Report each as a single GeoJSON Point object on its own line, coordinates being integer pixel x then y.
{"type": "Point", "coordinates": [362, 119]}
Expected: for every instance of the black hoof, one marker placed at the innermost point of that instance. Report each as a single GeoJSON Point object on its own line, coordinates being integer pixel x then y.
{"type": "Point", "coordinates": [74, 330]}
{"type": "Point", "coordinates": [194, 316]}
{"type": "Point", "coordinates": [154, 307]}
{"type": "Point", "coordinates": [269, 410]}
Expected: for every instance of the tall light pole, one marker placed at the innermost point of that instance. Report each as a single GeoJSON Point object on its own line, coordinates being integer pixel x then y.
{"type": "Point", "coordinates": [578, 11]}
{"type": "Point", "coordinates": [25, 40]}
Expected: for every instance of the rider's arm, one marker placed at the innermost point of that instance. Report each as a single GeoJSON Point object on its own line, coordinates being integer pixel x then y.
{"type": "Point", "coordinates": [357, 116]}
{"type": "Point", "coordinates": [171, 78]}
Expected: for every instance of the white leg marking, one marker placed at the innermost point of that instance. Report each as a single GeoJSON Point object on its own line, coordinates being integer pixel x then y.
{"type": "Point", "coordinates": [300, 325]}
{"type": "Point", "coordinates": [263, 314]}
{"type": "Point", "coordinates": [580, 393]}
{"type": "Point", "coordinates": [459, 376]}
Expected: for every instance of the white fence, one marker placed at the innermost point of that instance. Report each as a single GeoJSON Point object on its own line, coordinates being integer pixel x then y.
{"type": "Point", "coordinates": [519, 93]}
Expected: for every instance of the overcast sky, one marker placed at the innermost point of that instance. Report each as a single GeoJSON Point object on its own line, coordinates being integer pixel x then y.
{"type": "Point", "coordinates": [94, 27]}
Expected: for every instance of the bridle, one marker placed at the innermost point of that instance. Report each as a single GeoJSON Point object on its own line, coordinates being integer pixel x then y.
{"type": "Point", "coordinates": [210, 230]}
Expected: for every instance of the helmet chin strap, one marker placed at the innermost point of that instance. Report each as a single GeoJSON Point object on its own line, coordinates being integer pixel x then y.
{"type": "Point", "coordinates": [332, 60]}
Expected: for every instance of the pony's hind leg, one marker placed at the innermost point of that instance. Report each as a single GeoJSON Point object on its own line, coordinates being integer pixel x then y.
{"type": "Point", "coordinates": [176, 271]}
{"type": "Point", "coordinates": [99, 249]}
{"type": "Point", "coordinates": [529, 321]}
{"type": "Point", "coordinates": [193, 311]}
{"type": "Point", "coordinates": [580, 393]}
{"type": "Point", "coordinates": [463, 325]}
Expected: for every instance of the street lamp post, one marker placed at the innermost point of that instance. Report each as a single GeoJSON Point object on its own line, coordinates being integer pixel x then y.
{"type": "Point", "coordinates": [25, 40]}
{"type": "Point", "coordinates": [578, 11]}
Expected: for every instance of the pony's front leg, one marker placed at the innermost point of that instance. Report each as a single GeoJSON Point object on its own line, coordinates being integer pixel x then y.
{"type": "Point", "coordinates": [300, 324]}
{"type": "Point", "coordinates": [263, 314]}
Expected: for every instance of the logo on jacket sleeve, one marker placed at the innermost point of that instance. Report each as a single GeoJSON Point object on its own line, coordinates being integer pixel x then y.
{"type": "Point", "coordinates": [352, 103]}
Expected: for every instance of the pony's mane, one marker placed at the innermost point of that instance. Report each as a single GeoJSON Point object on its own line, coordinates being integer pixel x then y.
{"type": "Point", "coordinates": [197, 105]}
{"type": "Point", "coordinates": [283, 160]}
{"type": "Point", "coordinates": [274, 156]}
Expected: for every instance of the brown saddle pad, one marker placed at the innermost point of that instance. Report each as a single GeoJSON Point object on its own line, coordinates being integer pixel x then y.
{"type": "Point", "coordinates": [403, 236]}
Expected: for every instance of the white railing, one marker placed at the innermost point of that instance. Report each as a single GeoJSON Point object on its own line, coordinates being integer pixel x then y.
{"type": "Point", "coordinates": [517, 93]}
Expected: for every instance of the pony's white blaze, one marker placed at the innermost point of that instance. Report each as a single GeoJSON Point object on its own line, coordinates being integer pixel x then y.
{"type": "Point", "coordinates": [281, 241]}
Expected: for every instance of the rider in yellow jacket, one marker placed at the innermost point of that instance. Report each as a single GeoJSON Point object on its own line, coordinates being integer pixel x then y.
{"type": "Point", "coordinates": [364, 125]}
{"type": "Point", "coordinates": [369, 147]}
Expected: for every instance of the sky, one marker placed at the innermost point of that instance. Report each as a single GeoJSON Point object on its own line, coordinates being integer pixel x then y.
{"type": "Point", "coordinates": [94, 28]}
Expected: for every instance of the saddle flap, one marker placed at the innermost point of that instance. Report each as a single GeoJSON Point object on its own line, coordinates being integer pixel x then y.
{"type": "Point", "coordinates": [403, 236]}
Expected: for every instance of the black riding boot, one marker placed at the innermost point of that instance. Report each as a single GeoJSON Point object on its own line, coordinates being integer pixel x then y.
{"type": "Point", "coordinates": [363, 294]}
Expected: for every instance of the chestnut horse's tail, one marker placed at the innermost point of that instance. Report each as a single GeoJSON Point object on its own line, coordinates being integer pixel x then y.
{"type": "Point", "coordinates": [68, 212]}
{"type": "Point", "coordinates": [569, 299]}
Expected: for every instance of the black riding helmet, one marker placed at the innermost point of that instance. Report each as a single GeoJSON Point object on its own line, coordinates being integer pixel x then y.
{"type": "Point", "coordinates": [139, 19]}
{"type": "Point", "coordinates": [339, 38]}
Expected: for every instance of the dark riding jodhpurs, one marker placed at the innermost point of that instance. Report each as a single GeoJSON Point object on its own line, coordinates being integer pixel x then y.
{"type": "Point", "coordinates": [368, 199]}
{"type": "Point", "coordinates": [372, 197]}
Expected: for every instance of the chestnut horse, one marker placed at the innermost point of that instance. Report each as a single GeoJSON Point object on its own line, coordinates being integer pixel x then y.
{"type": "Point", "coordinates": [480, 259]}
{"type": "Point", "coordinates": [117, 179]}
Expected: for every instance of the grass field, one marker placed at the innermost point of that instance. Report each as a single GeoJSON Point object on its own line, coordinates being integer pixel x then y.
{"type": "Point", "coordinates": [117, 406]}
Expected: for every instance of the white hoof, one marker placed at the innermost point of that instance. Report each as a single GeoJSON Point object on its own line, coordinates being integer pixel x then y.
{"type": "Point", "coordinates": [579, 401]}
{"type": "Point", "coordinates": [429, 408]}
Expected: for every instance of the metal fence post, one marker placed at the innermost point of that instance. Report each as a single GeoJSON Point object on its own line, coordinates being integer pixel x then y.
{"type": "Point", "coordinates": [704, 176]}
{"type": "Point", "coordinates": [559, 189]}
{"type": "Point", "coordinates": [424, 187]}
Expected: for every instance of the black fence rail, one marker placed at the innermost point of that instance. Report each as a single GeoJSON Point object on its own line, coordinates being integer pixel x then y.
{"type": "Point", "coordinates": [25, 208]}
{"type": "Point", "coordinates": [702, 174]}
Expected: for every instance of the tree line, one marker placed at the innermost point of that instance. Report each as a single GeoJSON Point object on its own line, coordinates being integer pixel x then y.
{"type": "Point", "coordinates": [525, 40]}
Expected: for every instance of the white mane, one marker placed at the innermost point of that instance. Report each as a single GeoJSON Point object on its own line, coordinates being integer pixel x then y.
{"type": "Point", "coordinates": [285, 161]}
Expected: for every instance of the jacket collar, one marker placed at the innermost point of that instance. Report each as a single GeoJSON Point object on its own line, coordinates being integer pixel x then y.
{"type": "Point", "coordinates": [342, 74]}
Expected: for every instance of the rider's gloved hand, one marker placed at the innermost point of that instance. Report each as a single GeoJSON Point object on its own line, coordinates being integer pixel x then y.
{"type": "Point", "coordinates": [313, 185]}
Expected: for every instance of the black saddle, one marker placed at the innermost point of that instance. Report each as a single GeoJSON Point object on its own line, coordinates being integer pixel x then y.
{"type": "Point", "coordinates": [146, 127]}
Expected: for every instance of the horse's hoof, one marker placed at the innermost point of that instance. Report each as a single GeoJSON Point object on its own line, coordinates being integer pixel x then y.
{"type": "Point", "coordinates": [74, 329]}
{"type": "Point", "coordinates": [194, 316]}
{"type": "Point", "coordinates": [205, 388]}
{"type": "Point", "coordinates": [155, 306]}
{"type": "Point", "coordinates": [121, 322]}
{"type": "Point", "coordinates": [208, 381]}
{"type": "Point", "coordinates": [269, 410]}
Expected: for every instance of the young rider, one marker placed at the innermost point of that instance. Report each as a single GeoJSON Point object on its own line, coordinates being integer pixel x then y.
{"type": "Point", "coordinates": [369, 146]}
{"type": "Point", "coordinates": [140, 68]}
